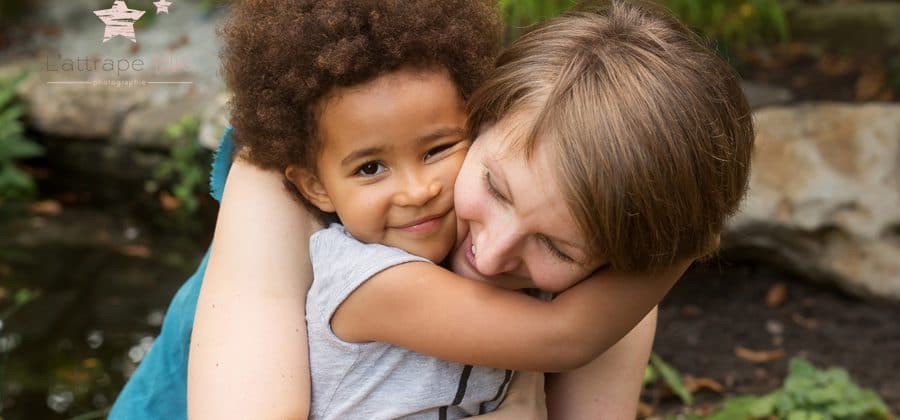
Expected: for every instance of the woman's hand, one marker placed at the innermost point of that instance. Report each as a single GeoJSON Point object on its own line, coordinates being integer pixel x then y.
{"type": "Point", "coordinates": [525, 399]}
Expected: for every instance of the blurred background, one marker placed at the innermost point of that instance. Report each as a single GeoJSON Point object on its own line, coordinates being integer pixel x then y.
{"type": "Point", "coordinates": [104, 207]}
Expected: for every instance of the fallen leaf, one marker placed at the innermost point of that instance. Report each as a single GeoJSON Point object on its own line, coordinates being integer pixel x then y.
{"type": "Point", "coordinates": [139, 251]}
{"type": "Point", "coordinates": [808, 323]}
{"type": "Point", "coordinates": [832, 65]}
{"type": "Point", "coordinates": [180, 42]}
{"type": "Point", "coordinates": [46, 208]}
{"type": "Point", "coordinates": [777, 295]}
{"type": "Point", "coordinates": [870, 83]}
{"type": "Point", "coordinates": [758, 356]}
{"type": "Point", "coordinates": [705, 409]}
{"type": "Point", "coordinates": [798, 49]}
{"type": "Point", "coordinates": [644, 410]}
{"type": "Point", "coordinates": [68, 197]}
{"type": "Point", "coordinates": [102, 236]}
{"type": "Point", "coordinates": [691, 311]}
{"type": "Point", "coordinates": [52, 31]}
{"type": "Point", "coordinates": [695, 384]}
{"type": "Point", "coordinates": [168, 201]}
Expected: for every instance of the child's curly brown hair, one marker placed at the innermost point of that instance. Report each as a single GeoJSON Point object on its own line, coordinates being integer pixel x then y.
{"type": "Point", "coordinates": [281, 57]}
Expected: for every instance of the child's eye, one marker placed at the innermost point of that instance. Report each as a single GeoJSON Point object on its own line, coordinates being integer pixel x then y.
{"type": "Point", "coordinates": [370, 169]}
{"type": "Point", "coordinates": [437, 150]}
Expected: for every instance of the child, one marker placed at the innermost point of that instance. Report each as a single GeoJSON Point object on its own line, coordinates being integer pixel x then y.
{"type": "Point", "coordinates": [281, 58]}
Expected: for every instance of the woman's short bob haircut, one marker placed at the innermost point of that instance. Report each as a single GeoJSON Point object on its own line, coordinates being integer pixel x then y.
{"type": "Point", "coordinates": [652, 132]}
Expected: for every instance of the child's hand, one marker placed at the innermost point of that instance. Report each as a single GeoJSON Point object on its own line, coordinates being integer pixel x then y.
{"type": "Point", "coordinates": [525, 399]}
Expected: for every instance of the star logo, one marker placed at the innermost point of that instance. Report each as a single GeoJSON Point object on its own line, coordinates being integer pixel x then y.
{"type": "Point", "coordinates": [162, 6]}
{"type": "Point", "coordinates": [119, 20]}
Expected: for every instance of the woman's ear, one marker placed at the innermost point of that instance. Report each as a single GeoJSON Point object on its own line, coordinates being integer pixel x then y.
{"type": "Point", "coordinates": [309, 185]}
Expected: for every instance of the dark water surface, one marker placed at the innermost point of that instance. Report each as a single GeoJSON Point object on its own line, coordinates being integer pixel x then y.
{"type": "Point", "coordinates": [104, 270]}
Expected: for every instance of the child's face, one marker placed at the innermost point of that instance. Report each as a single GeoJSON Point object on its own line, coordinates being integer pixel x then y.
{"type": "Point", "coordinates": [518, 222]}
{"type": "Point", "coordinates": [391, 150]}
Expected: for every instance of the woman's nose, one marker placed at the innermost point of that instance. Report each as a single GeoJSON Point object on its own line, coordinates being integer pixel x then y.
{"type": "Point", "coordinates": [415, 191]}
{"type": "Point", "coordinates": [495, 251]}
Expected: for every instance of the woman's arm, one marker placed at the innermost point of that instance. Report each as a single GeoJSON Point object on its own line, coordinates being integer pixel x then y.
{"type": "Point", "coordinates": [610, 386]}
{"type": "Point", "coordinates": [248, 355]}
{"type": "Point", "coordinates": [427, 309]}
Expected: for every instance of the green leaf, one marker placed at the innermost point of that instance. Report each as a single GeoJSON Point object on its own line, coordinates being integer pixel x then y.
{"type": "Point", "coordinates": [672, 378]}
{"type": "Point", "coordinates": [800, 367]}
{"type": "Point", "coordinates": [763, 407]}
{"type": "Point", "coordinates": [24, 296]}
{"type": "Point", "coordinates": [650, 375]}
{"type": "Point", "coordinates": [734, 409]}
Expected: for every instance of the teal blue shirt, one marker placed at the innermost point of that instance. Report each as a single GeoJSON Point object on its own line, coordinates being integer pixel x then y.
{"type": "Point", "coordinates": [158, 388]}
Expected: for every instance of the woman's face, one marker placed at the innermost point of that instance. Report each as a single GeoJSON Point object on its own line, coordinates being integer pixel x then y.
{"type": "Point", "coordinates": [515, 228]}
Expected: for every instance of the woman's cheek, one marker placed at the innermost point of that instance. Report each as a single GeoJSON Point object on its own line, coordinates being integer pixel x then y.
{"type": "Point", "coordinates": [465, 194]}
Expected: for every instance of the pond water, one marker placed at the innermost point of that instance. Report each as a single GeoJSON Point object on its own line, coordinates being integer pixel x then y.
{"type": "Point", "coordinates": [103, 265]}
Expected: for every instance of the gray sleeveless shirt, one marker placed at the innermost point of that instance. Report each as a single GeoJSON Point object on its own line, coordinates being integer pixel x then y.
{"type": "Point", "coordinates": [378, 380]}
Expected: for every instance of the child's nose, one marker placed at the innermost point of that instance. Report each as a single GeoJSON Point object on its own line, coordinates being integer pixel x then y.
{"type": "Point", "coordinates": [417, 192]}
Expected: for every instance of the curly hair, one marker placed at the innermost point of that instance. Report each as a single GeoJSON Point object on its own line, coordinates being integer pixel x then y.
{"type": "Point", "coordinates": [283, 57]}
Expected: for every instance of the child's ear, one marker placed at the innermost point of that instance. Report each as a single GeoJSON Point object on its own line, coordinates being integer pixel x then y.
{"type": "Point", "coordinates": [309, 185]}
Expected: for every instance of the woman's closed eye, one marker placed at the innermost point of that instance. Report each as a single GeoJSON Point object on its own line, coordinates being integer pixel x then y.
{"type": "Point", "coordinates": [486, 176]}
{"type": "Point", "coordinates": [370, 169]}
{"type": "Point", "coordinates": [554, 250]}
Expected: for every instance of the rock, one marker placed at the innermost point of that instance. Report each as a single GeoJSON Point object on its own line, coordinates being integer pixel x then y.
{"type": "Point", "coordinates": [824, 196]}
{"type": "Point", "coordinates": [126, 93]}
{"type": "Point", "coordinates": [760, 95]}
{"type": "Point", "coordinates": [145, 126]}
{"type": "Point", "coordinates": [869, 26]}
{"type": "Point", "coordinates": [213, 121]}
{"type": "Point", "coordinates": [70, 105]}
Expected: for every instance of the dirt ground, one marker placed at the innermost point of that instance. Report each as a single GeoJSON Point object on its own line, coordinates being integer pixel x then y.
{"type": "Point", "coordinates": [720, 307]}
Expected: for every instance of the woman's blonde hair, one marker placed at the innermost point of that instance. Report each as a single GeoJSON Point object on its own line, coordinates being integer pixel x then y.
{"type": "Point", "coordinates": [652, 132]}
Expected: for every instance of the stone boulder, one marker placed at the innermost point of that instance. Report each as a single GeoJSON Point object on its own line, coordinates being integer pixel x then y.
{"type": "Point", "coordinates": [121, 92]}
{"type": "Point", "coordinates": [824, 196]}
{"type": "Point", "coordinates": [869, 26]}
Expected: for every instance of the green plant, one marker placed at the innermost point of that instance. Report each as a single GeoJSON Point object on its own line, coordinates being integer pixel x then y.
{"type": "Point", "coordinates": [184, 171]}
{"type": "Point", "coordinates": [658, 369]}
{"type": "Point", "coordinates": [894, 74]}
{"type": "Point", "coordinates": [736, 23]}
{"type": "Point", "coordinates": [520, 14]}
{"type": "Point", "coordinates": [20, 299]}
{"type": "Point", "coordinates": [808, 394]}
{"type": "Point", "coordinates": [14, 146]}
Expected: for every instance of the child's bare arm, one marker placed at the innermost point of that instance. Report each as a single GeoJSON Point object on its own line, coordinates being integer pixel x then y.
{"type": "Point", "coordinates": [430, 310]}
{"type": "Point", "coordinates": [248, 356]}
{"type": "Point", "coordinates": [608, 387]}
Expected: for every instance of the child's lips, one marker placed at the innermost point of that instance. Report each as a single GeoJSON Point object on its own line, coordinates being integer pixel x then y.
{"type": "Point", "coordinates": [422, 225]}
